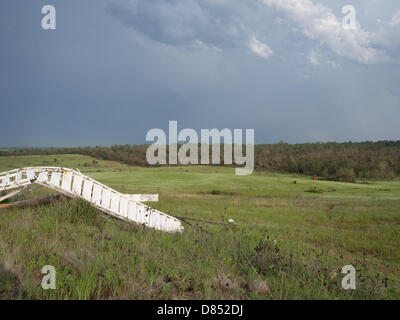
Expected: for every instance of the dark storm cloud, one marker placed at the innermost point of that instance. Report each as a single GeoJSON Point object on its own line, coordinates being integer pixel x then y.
{"type": "Point", "coordinates": [175, 22]}
{"type": "Point", "coordinates": [111, 71]}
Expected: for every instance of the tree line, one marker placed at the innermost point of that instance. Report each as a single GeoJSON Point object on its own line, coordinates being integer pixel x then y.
{"type": "Point", "coordinates": [331, 161]}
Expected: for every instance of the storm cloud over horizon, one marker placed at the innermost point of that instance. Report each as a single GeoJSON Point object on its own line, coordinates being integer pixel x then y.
{"type": "Point", "coordinates": [114, 69]}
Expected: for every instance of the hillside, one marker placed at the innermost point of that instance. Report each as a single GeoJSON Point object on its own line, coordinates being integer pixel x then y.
{"type": "Point", "coordinates": [291, 237]}
{"type": "Point", "coordinates": [331, 161]}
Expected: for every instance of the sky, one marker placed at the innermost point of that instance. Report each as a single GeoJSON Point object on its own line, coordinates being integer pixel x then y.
{"type": "Point", "coordinates": [114, 69]}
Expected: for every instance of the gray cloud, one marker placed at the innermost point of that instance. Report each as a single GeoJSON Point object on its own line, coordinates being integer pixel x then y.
{"type": "Point", "coordinates": [106, 76]}
{"type": "Point", "coordinates": [244, 24]}
{"type": "Point", "coordinates": [196, 23]}
{"type": "Point", "coordinates": [178, 22]}
{"type": "Point", "coordinates": [318, 22]}
{"type": "Point", "coordinates": [388, 35]}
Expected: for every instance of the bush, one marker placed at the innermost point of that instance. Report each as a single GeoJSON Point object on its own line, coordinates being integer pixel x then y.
{"type": "Point", "coordinates": [345, 175]}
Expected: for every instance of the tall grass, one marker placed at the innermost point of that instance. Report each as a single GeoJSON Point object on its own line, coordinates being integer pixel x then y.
{"type": "Point", "coordinates": [289, 240]}
{"type": "Point", "coordinates": [100, 258]}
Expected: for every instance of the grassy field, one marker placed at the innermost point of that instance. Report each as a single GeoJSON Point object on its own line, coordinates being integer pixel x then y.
{"type": "Point", "coordinates": [290, 239]}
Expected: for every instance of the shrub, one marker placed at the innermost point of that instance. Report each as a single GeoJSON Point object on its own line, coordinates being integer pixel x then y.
{"type": "Point", "coordinates": [345, 175]}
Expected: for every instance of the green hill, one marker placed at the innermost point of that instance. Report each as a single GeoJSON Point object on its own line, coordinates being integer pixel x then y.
{"type": "Point", "coordinates": [290, 239]}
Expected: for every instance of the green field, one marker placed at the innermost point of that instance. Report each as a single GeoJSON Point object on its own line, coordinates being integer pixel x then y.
{"type": "Point", "coordinates": [290, 239]}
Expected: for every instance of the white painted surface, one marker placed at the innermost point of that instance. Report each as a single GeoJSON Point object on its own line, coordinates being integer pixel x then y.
{"type": "Point", "coordinates": [75, 184]}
